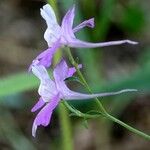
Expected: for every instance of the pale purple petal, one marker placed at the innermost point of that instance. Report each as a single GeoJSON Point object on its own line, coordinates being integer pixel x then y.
{"type": "Point", "coordinates": [67, 24]}
{"type": "Point", "coordinates": [72, 70]}
{"type": "Point", "coordinates": [45, 58]}
{"type": "Point", "coordinates": [53, 31]}
{"type": "Point", "coordinates": [68, 18]}
{"type": "Point", "coordinates": [71, 95]}
{"type": "Point", "coordinates": [61, 71]}
{"type": "Point", "coordinates": [51, 35]}
{"type": "Point", "coordinates": [44, 116]}
{"type": "Point", "coordinates": [40, 72]}
{"type": "Point", "coordinates": [83, 44]}
{"type": "Point", "coordinates": [86, 23]}
{"type": "Point", "coordinates": [47, 88]}
{"type": "Point", "coordinates": [48, 14]}
{"type": "Point", "coordinates": [38, 105]}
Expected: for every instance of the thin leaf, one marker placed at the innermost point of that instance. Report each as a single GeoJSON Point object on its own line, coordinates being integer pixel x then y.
{"type": "Point", "coordinates": [17, 83]}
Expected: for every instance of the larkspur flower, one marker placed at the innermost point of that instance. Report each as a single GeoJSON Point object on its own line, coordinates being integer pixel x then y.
{"type": "Point", "coordinates": [64, 35]}
{"type": "Point", "coordinates": [52, 91]}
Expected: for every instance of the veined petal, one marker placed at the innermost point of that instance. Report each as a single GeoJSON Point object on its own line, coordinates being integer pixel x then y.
{"type": "Point", "coordinates": [44, 116]}
{"type": "Point", "coordinates": [38, 105]}
{"type": "Point", "coordinates": [53, 30]}
{"type": "Point", "coordinates": [61, 71]}
{"type": "Point", "coordinates": [48, 14]}
{"type": "Point", "coordinates": [41, 73]}
{"type": "Point", "coordinates": [78, 43]}
{"type": "Point", "coordinates": [45, 58]}
{"type": "Point", "coordinates": [71, 95]}
{"type": "Point", "coordinates": [51, 35]}
{"type": "Point", "coordinates": [68, 18]}
{"type": "Point", "coordinates": [47, 88]}
{"type": "Point", "coordinates": [88, 23]}
{"type": "Point", "coordinates": [67, 24]}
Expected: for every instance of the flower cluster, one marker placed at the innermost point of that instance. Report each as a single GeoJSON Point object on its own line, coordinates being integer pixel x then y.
{"type": "Point", "coordinates": [52, 91]}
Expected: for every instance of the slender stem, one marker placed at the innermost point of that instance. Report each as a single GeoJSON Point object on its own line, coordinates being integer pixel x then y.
{"type": "Point", "coordinates": [65, 125]}
{"type": "Point", "coordinates": [78, 113]}
{"type": "Point", "coordinates": [128, 127]}
{"type": "Point", "coordinates": [84, 81]}
{"type": "Point", "coordinates": [102, 109]}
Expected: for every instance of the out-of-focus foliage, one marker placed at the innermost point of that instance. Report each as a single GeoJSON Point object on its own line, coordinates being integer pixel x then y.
{"type": "Point", "coordinates": [132, 19]}
{"type": "Point", "coordinates": [17, 83]}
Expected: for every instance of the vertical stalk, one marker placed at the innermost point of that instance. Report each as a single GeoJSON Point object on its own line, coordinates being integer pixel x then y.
{"type": "Point", "coordinates": [66, 135]}
{"type": "Point", "coordinates": [65, 127]}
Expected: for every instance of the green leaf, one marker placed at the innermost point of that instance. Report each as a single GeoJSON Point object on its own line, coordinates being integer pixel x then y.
{"type": "Point", "coordinates": [17, 83]}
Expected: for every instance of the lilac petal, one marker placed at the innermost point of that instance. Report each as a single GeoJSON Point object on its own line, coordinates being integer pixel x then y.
{"type": "Point", "coordinates": [67, 24]}
{"type": "Point", "coordinates": [47, 88]}
{"type": "Point", "coordinates": [88, 23]}
{"type": "Point", "coordinates": [78, 43]}
{"type": "Point", "coordinates": [44, 116]}
{"type": "Point", "coordinates": [71, 95]}
{"type": "Point", "coordinates": [38, 105]}
{"type": "Point", "coordinates": [53, 30]}
{"type": "Point", "coordinates": [45, 58]}
{"type": "Point", "coordinates": [52, 34]}
{"type": "Point", "coordinates": [69, 17]}
{"type": "Point", "coordinates": [61, 71]}
{"type": "Point", "coordinates": [72, 70]}
{"type": "Point", "coordinates": [40, 72]}
{"type": "Point", "coordinates": [48, 14]}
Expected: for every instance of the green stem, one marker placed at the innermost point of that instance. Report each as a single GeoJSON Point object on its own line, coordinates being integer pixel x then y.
{"type": "Point", "coordinates": [83, 80]}
{"type": "Point", "coordinates": [65, 128]}
{"type": "Point", "coordinates": [78, 113]}
{"type": "Point", "coordinates": [102, 109]}
{"type": "Point", "coordinates": [146, 136]}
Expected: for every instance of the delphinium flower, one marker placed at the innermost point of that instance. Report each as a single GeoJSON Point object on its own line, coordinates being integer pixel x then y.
{"type": "Point", "coordinates": [52, 91]}
{"type": "Point", "coordinates": [64, 35]}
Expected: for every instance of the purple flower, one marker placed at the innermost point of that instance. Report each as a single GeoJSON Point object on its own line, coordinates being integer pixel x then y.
{"type": "Point", "coordinates": [52, 91]}
{"type": "Point", "coordinates": [57, 36]}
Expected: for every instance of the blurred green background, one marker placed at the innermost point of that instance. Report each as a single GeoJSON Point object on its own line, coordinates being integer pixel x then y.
{"type": "Point", "coordinates": [106, 69]}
